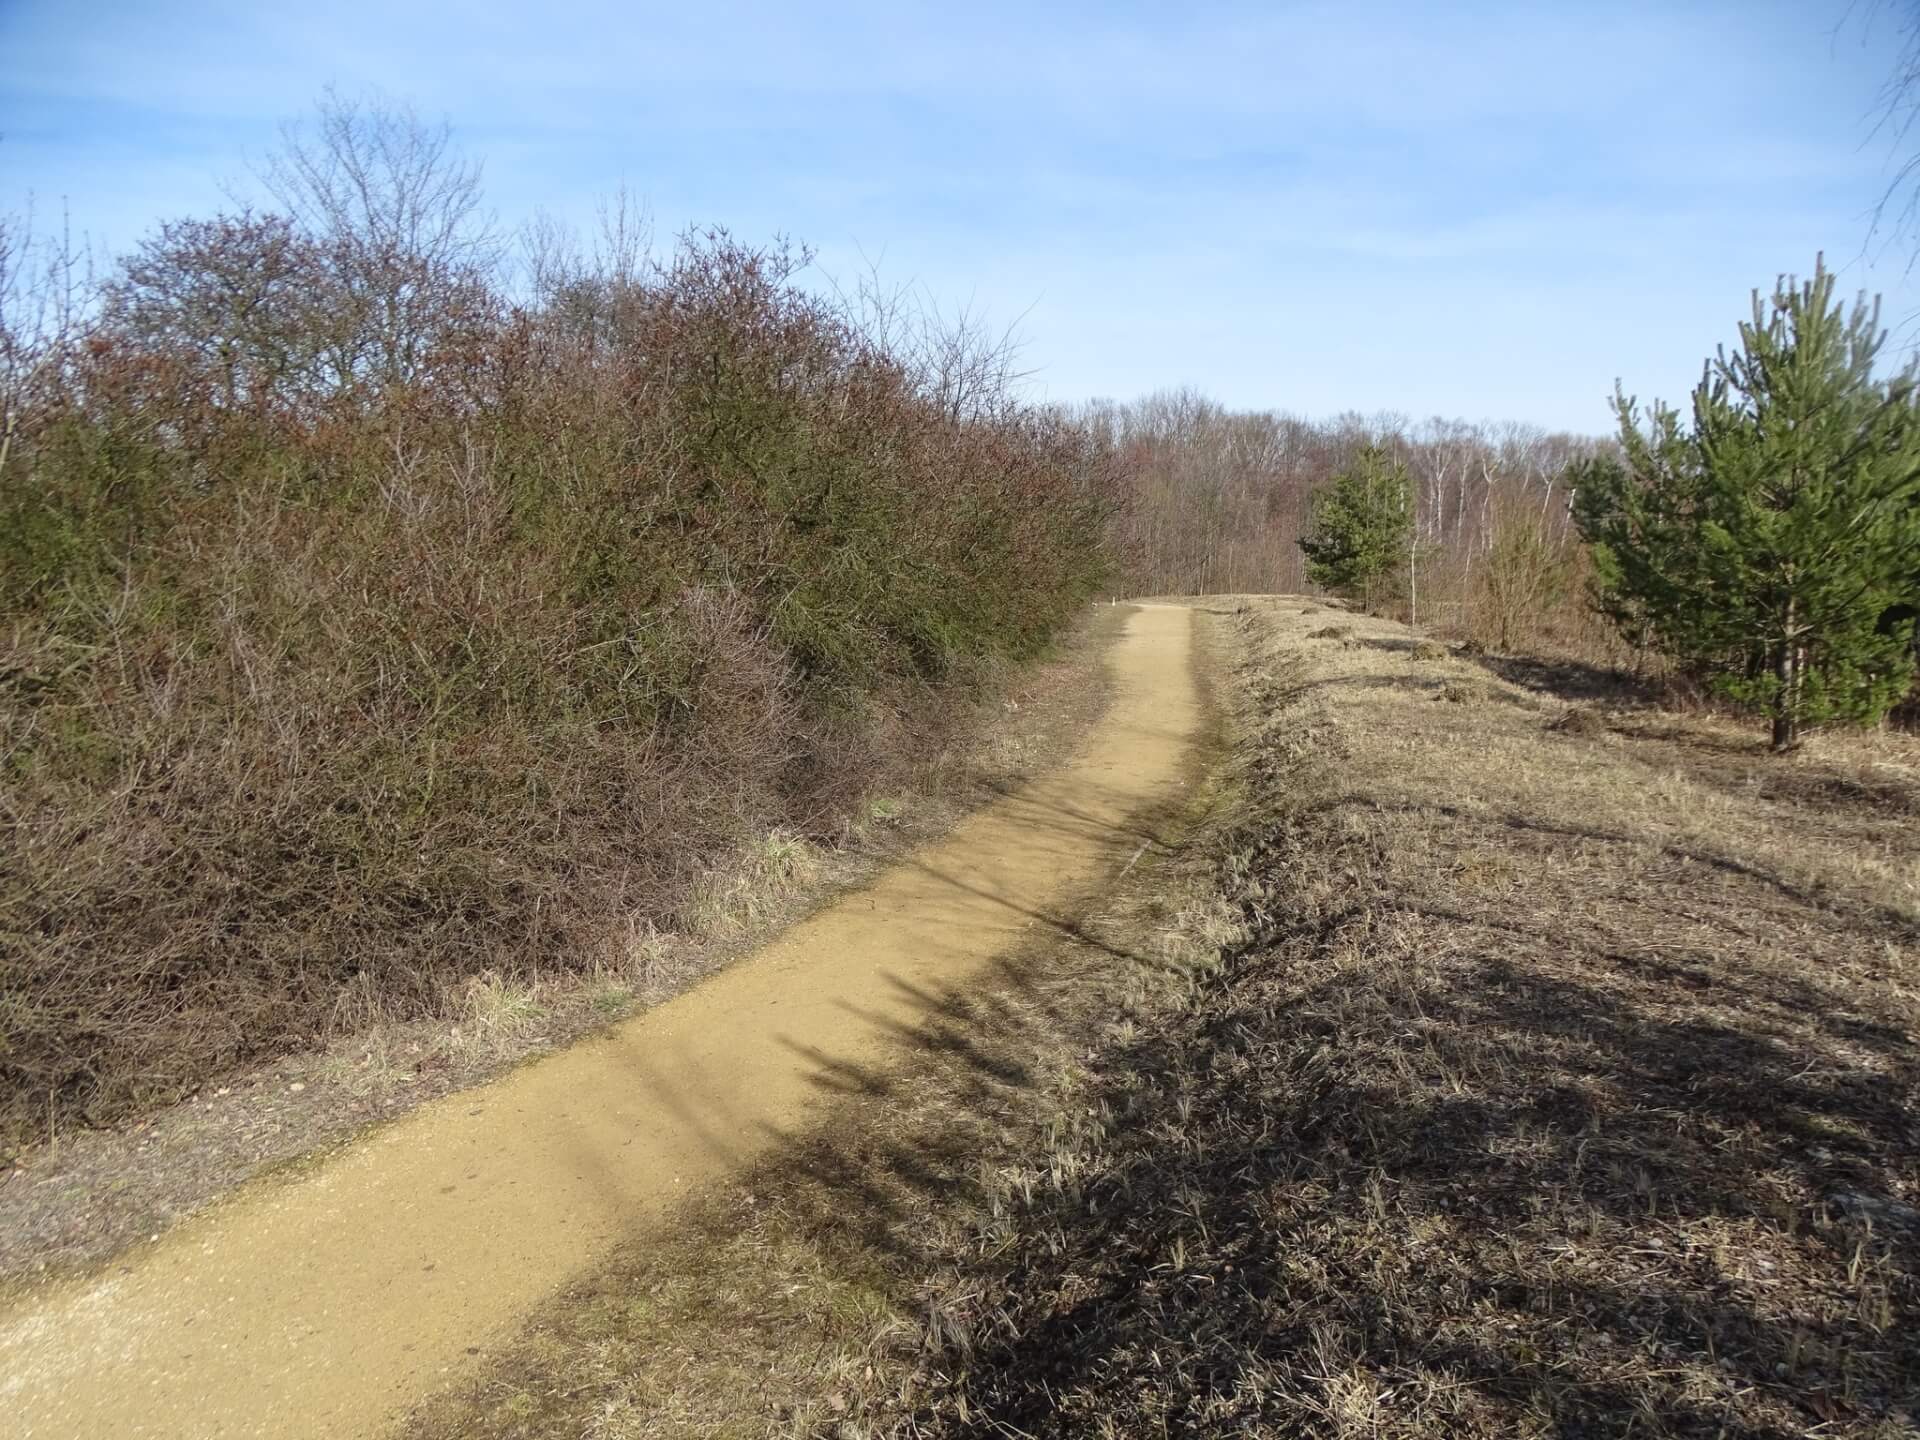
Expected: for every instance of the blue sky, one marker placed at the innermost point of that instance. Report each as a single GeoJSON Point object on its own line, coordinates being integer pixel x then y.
{"type": "Point", "coordinates": [1479, 210]}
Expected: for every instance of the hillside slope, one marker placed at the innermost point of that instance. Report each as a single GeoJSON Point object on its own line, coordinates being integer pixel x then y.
{"type": "Point", "coordinates": [1566, 1084]}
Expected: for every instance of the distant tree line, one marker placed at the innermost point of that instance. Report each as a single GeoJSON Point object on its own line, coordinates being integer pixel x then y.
{"type": "Point", "coordinates": [1479, 538]}
{"type": "Point", "coordinates": [1770, 548]}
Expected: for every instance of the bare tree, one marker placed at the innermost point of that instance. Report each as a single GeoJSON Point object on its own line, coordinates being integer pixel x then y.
{"type": "Point", "coordinates": [595, 292]}
{"type": "Point", "coordinates": [43, 313]}
{"type": "Point", "coordinates": [969, 367]}
{"type": "Point", "coordinates": [395, 214]}
{"type": "Point", "coordinates": [231, 298]}
{"type": "Point", "coordinates": [1896, 215]}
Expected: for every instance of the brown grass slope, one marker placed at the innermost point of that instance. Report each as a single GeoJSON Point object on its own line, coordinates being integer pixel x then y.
{"type": "Point", "coordinates": [1568, 1088]}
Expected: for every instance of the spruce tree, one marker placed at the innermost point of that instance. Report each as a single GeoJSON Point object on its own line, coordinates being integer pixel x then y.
{"type": "Point", "coordinates": [1762, 547]}
{"type": "Point", "coordinates": [1360, 528]}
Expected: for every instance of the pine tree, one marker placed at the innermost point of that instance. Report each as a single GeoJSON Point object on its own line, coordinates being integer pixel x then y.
{"type": "Point", "coordinates": [1762, 547]}
{"type": "Point", "coordinates": [1360, 528]}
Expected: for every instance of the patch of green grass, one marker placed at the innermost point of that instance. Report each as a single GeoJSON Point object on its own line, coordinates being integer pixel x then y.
{"type": "Point", "coordinates": [612, 1001]}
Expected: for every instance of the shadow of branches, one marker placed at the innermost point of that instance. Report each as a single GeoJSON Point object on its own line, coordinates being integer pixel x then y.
{"type": "Point", "coordinates": [1409, 1172]}
{"type": "Point", "coordinates": [1377, 1114]}
{"type": "Point", "coordinates": [1506, 1120]}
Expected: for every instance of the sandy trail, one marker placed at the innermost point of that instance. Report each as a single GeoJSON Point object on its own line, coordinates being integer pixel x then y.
{"type": "Point", "coordinates": [329, 1302]}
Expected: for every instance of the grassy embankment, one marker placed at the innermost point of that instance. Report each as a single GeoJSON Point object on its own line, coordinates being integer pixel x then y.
{"type": "Point", "coordinates": [1501, 1054]}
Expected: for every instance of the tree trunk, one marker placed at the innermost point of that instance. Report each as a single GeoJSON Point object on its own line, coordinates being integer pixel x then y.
{"type": "Point", "coordinates": [1786, 669]}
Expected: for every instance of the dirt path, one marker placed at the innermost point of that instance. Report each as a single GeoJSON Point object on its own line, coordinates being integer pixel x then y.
{"type": "Point", "coordinates": [327, 1303]}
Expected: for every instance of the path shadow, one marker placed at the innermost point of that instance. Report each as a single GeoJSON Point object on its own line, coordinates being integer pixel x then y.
{"type": "Point", "coordinates": [1521, 1180]}
{"type": "Point", "coordinates": [1631, 1159]}
{"type": "Point", "coordinates": [1575, 681]}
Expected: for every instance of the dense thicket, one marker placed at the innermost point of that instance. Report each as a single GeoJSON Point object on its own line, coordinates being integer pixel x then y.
{"type": "Point", "coordinates": [370, 618]}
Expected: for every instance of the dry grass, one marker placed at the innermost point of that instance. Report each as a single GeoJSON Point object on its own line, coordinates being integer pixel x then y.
{"type": "Point", "coordinates": [1470, 1073]}
{"type": "Point", "coordinates": [1568, 1088]}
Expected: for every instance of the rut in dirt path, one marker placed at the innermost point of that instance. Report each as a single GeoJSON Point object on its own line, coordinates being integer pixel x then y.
{"type": "Point", "coordinates": [328, 1303]}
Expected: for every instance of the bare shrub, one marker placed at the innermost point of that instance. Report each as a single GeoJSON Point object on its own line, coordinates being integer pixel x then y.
{"type": "Point", "coordinates": [231, 301]}
{"type": "Point", "coordinates": [1522, 579]}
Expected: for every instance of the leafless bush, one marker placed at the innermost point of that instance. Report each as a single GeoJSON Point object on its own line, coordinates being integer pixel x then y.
{"type": "Point", "coordinates": [1523, 578]}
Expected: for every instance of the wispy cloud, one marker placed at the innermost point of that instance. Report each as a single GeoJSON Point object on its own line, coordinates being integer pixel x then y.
{"type": "Point", "coordinates": [1485, 209]}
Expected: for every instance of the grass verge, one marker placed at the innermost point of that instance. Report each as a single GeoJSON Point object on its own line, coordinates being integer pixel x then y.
{"type": "Point", "coordinates": [1565, 1086]}
{"type": "Point", "coordinates": [1468, 1072]}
